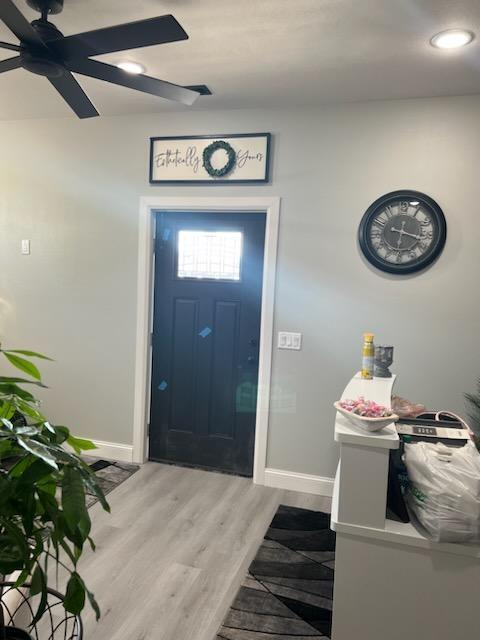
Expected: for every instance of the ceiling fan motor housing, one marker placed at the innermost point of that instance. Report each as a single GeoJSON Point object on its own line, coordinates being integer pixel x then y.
{"type": "Point", "coordinates": [42, 65]}
{"type": "Point", "coordinates": [48, 6]}
{"type": "Point", "coordinates": [39, 61]}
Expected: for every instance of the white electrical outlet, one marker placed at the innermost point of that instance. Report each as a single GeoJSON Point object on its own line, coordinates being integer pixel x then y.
{"type": "Point", "coordinates": [289, 340]}
{"type": "Point", "coordinates": [25, 247]}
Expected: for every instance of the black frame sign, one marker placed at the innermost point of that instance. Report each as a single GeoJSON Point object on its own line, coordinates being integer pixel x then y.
{"type": "Point", "coordinates": [218, 159]}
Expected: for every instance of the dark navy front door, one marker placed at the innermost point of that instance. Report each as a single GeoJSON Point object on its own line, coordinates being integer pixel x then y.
{"type": "Point", "coordinates": [207, 311]}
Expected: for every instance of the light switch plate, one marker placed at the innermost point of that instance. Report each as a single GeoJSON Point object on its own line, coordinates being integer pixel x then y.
{"type": "Point", "coordinates": [289, 340]}
{"type": "Point", "coordinates": [25, 247]}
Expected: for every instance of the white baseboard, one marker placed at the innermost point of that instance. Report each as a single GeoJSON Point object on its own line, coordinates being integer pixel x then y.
{"type": "Point", "coordinates": [302, 482]}
{"type": "Point", "coordinates": [112, 451]}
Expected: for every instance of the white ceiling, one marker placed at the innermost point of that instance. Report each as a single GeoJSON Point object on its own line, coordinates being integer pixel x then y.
{"type": "Point", "coordinates": [269, 53]}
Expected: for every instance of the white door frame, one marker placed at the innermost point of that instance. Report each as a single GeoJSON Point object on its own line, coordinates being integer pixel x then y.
{"type": "Point", "coordinates": [143, 356]}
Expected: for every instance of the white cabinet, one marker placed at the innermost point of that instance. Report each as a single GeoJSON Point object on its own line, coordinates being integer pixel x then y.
{"type": "Point", "coordinates": [390, 581]}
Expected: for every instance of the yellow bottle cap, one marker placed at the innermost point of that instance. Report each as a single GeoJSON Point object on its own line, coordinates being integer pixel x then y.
{"type": "Point", "coordinates": [368, 337]}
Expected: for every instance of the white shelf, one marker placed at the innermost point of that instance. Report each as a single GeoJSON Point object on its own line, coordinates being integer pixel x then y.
{"type": "Point", "coordinates": [404, 534]}
{"type": "Point", "coordinates": [348, 433]}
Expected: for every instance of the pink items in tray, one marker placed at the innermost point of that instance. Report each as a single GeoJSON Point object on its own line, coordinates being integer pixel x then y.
{"type": "Point", "coordinates": [365, 408]}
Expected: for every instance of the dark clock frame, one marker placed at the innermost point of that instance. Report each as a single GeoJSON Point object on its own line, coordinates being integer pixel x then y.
{"type": "Point", "coordinates": [440, 233]}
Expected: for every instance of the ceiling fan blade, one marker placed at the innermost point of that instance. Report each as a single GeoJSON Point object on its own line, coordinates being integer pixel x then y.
{"type": "Point", "coordinates": [107, 72]}
{"type": "Point", "coordinates": [132, 35]}
{"type": "Point", "coordinates": [18, 24]}
{"type": "Point", "coordinates": [11, 63]}
{"type": "Point", "coordinates": [10, 47]}
{"type": "Point", "coordinates": [74, 95]}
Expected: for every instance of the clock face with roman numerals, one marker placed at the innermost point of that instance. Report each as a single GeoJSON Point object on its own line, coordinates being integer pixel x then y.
{"type": "Point", "coordinates": [403, 232]}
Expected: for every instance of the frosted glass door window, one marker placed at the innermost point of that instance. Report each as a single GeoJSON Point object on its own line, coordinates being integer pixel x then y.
{"type": "Point", "coordinates": [214, 255]}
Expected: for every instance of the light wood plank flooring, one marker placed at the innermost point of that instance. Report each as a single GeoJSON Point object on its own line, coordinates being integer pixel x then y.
{"type": "Point", "coordinates": [171, 556]}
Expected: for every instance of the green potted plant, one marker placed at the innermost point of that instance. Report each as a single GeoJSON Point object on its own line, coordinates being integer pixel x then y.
{"type": "Point", "coordinates": [43, 483]}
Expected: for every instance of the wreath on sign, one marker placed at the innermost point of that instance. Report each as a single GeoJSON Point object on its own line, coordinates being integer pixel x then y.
{"type": "Point", "coordinates": [228, 166]}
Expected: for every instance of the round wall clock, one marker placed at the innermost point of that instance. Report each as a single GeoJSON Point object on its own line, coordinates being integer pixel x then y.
{"type": "Point", "coordinates": [403, 232]}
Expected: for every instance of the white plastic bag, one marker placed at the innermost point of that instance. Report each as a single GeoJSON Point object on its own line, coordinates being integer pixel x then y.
{"type": "Point", "coordinates": [444, 490]}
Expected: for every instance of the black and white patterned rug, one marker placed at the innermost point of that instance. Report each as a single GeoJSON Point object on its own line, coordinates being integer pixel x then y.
{"type": "Point", "coordinates": [109, 475]}
{"type": "Point", "coordinates": [288, 592]}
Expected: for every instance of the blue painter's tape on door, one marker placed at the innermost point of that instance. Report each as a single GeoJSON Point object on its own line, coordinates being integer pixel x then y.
{"type": "Point", "coordinates": [205, 332]}
{"type": "Point", "coordinates": [163, 385]}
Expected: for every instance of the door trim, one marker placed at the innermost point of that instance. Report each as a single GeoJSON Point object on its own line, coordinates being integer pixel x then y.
{"type": "Point", "coordinates": [143, 354]}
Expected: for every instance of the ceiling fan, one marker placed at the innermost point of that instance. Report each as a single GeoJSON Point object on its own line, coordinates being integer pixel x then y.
{"type": "Point", "coordinates": [45, 51]}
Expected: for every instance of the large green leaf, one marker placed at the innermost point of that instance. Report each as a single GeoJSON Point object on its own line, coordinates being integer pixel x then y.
{"type": "Point", "coordinates": [28, 511]}
{"type": "Point", "coordinates": [63, 456]}
{"type": "Point", "coordinates": [51, 511]}
{"type": "Point", "coordinates": [13, 389]}
{"type": "Point", "coordinates": [94, 604]}
{"type": "Point", "coordinates": [48, 485]}
{"type": "Point", "coordinates": [7, 410]}
{"type": "Point", "coordinates": [38, 580]}
{"type": "Point", "coordinates": [26, 352]}
{"type": "Point", "coordinates": [14, 549]}
{"type": "Point", "coordinates": [20, 467]}
{"type": "Point", "coordinates": [49, 427]}
{"type": "Point", "coordinates": [92, 485]}
{"type": "Point", "coordinates": [28, 410]}
{"type": "Point", "coordinates": [61, 434]}
{"type": "Point", "coordinates": [32, 473]}
{"type": "Point", "coordinates": [8, 449]}
{"type": "Point", "coordinates": [73, 502]}
{"type": "Point", "coordinates": [23, 365]}
{"type": "Point", "coordinates": [22, 578]}
{"type": "Point", "coordinates": [16, 533]}
{"type": "Point", "coordinates": [26, 431]}
{"type": "Point", "coordinates": [75, 596]}
{"type": "Point", "coordinates": [10, 380]}
{"type": "Point", "coordinates": [70, 553]}
{"type": "Point", "coordinates": [91, 599]}
{"type": "Point", "coordinates": [80, 444]}
{"type": "Point", "coordinates": [39, 585]}
{"type": "Point", "coordinates": [38, 450]}
{"type": "Point", "coordinates": [7, 423]}
{"type": "Point", "coordinates": [10, 557]}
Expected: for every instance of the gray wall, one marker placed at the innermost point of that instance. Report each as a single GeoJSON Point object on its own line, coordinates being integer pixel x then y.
{"type": "Point", "coordinates": [73, 188]}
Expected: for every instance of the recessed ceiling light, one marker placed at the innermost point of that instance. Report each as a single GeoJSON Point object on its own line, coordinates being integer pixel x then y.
{"type": "Point", "coordinates": [452, 39]}
{"type": "Point", "coordinates": [131, 67]}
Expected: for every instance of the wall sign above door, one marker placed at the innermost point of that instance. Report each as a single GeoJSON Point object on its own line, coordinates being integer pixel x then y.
{"type": "Point", "coordinates": [240, 158]}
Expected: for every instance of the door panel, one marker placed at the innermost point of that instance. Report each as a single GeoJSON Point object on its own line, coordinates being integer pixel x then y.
{"type": "Point", "coordinates": [222, 401]}
{"type": "Point", "coordinates": [208, 288]}
{"type": "Point", "coordinates": [182, 415]}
